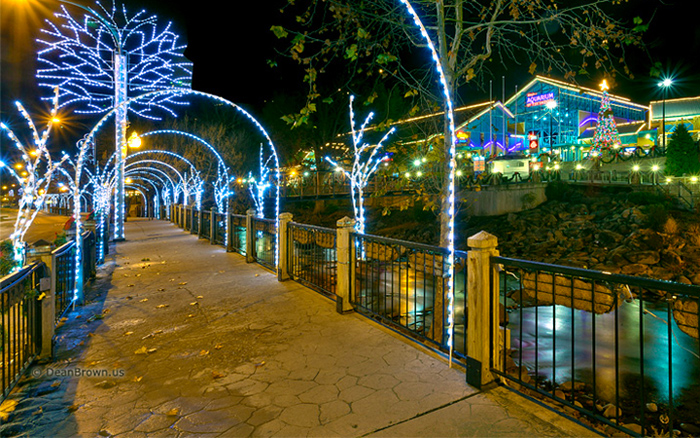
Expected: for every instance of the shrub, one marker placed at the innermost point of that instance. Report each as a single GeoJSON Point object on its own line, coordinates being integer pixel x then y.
{"type": "Point", "coordinates": [6, 257]}
{"type": "Point", "coordinates": [671, 226]}
{"type": "Point", "coordinates": [557, 191]}
{"type": "Point", "coordinates": [656, 217]}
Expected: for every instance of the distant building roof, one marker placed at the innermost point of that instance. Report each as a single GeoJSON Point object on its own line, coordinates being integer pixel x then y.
{"type": "Point", "coordinates": [684, 108]}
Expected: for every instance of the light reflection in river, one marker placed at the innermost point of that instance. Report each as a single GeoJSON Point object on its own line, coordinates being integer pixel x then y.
{"type": "Point", "coordinates": [563, 340]}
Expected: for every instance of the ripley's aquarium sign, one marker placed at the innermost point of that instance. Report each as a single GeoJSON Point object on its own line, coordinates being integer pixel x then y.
{"type": "Point", "coordinates": [538, 99]}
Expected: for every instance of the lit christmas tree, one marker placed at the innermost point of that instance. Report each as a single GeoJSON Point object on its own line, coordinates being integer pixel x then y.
{"type": "Point", "coordinates": [606, 135]}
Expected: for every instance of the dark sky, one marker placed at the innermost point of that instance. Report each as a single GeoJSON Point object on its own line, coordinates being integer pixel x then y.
{"type": "Point", "coordinates": [230, 41]}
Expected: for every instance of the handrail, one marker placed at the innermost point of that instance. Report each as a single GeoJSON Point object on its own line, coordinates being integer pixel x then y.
{"type": "Point", "coordinates": [647, 283]}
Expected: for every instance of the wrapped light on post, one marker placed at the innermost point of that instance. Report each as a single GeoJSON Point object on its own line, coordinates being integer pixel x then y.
{"type": "Point", "coordinates": [449, 113]}
{"type": "Point", "coordinates": [365, 163]}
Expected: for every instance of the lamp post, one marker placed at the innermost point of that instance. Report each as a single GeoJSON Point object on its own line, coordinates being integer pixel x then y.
{"type": "Point", "coordinates": [665, 84]}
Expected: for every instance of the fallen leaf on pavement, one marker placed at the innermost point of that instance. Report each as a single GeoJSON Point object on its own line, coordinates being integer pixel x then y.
{"type": "Point", "coordinates": [128, 333]}
{"type": "Point", "coordinates": [218, 346]}
{"type": "Point", "coordinates": [173, 412]}
{"type": "Point", "coordinates": [182, 283]}
{"type": "Point", "coordinates": [261, 364]}
{"type": "Point", "coordinates": [138, 379]}
{"type": "Point", "coordinates": [161, 306]}
{"type": "Point", "coordinates": [142, 350]}
{"type": "Point", "coordinates": [152, 350]}
{"type": "Point", "coordinates": [129, 285]}
{"type": "Point", "coordinates": [194, 303]}
{"type": "Point", "coordinates": [204, 352]}
{"type": "Point", "coordinates": [143, 300]}
{"type": "Point", "coordinates": [199, 297]}
{"type": "Point", "coordinates": [5, 408]}
{"type": "Point", "coordinates": [161, 289]}
{"type": "Point", "coordinates": [217, 375]}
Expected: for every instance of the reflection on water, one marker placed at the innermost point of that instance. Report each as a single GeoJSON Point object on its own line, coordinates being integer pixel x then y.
{"type": "Point", "coordinates": [563, 341]}
{"type": "Point", "coordinates": [405, 294]}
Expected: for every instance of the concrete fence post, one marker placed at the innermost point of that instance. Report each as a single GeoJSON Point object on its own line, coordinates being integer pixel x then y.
{"type": "Point", "coordinates": [482, 322]}
{"type": "Point", "coordinates": [212, 225]}
{"type": "Point", "coordinates": [346, 264]}
{"type": "Point", "coordinates": [48, 309]}
{"type": "Point", "coordinates": [284, 249]}
{"type": "Point", "coordinates": [250, 236]}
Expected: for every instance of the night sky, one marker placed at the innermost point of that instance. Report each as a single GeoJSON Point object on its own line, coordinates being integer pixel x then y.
{"type": "Point", "coordinates": [229, 43]}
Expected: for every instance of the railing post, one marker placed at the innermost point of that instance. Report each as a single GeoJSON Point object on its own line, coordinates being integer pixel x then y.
{"type": "Point", "coordinates": [482, 321]}
{"type": "Point", "coordinates": [249, 236]}
{"type": "Point", "coordinates": [284, 250]}
{"type": "Point", "coordinates": [346, 264]}
{"type": "Point", "coordinates": [212, 225]}
{"type": "Point", "coordinates": [48, 309]}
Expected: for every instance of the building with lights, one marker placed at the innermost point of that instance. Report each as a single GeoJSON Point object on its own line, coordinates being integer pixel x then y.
{"type": "Point", "coordinates": [552, 117]}
{"type": "Point", "coordinates": [684, 110]}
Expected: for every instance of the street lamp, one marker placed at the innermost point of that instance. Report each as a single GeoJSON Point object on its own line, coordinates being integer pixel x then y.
{"type": "Point", "coordinates": [665, 84]}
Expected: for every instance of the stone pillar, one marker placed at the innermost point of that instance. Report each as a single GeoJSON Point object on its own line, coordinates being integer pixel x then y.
{"type": "Point", "coordinates": [212, 225]}
{"type": "Point", "coordinates": [481, 321]}
{"type": "Point", "coordinates": [200, 214]}
{"type": "Point", "coordinates": [345, 252]}
{"type": "Point", "coordinates": [249, 236]}
{"type": "Point", "coordinates": [284, 249]}
{"type": "Point", "coordinates": [48, 308]}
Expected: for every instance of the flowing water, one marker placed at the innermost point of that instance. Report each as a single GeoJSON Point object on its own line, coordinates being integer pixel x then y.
{"type": "Point", "coordinates": [556, 343]}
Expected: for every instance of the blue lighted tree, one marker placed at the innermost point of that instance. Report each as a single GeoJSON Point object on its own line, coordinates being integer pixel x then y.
{"type": "Point", "coordinates": [101, 60]}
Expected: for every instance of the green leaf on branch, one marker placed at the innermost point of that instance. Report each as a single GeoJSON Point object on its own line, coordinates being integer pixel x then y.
{"type": "Point", "coordinates": [362, 34]}
{"type": "Point", "coordinates": [385, 58]}
{"type": "Point", "coordinates": [411, 93]}
{"type": "Point", "coordinates": [279, 31]}
{"type": "Point", "coordinates": [351, 52]}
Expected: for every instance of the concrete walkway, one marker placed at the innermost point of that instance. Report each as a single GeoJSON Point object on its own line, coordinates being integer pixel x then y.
{"type": "Point", "coordinates": [194, 341]}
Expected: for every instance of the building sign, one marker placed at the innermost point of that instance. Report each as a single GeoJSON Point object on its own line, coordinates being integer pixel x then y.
{"type": "Point", "coordinates": [533, 99]}
{"type": "Point", "coordinates": [533, 142]}
{"type": "Point", "coordinates": [462, 137]}
{"type": "Point", "coordinates": [479, 164]}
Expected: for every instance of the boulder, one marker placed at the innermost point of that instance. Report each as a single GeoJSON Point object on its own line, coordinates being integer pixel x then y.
{"type": "Point", "coordinates": [546, 289]}
{"type": "Point", "coordinates": [685, 313]}
{"type": "Point", "coordinates": [634, 269]}
{"type": "Point", "coordinates": [644, 257]}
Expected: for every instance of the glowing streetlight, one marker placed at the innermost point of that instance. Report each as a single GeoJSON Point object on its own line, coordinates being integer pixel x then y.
{"type": "Point", "coordinates": [665, 84]}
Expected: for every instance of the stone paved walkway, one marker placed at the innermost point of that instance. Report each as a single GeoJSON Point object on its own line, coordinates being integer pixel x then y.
{"type": "Point", "coordinates": [197, 342]}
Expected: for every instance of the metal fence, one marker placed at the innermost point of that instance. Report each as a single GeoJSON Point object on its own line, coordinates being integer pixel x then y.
{"type": "Point", "coordinates": [219, 237]}
{"type": "Point", "coordinates": [64, 266]}
{"type": "Point", "coordinates": [312, 260]}
{"type": "Point", "coordinates": [622, 350]}
{"type": "Point", "coordinates": [20, 318]}
{"type": "Point", "coordinates": [265, 243]}
{"type": "Point", "coordinates": [403, 284]}
{"type": "Point", "coordinates": [238, 233]}
{"type": "Point", "coordinates": [205, 225]}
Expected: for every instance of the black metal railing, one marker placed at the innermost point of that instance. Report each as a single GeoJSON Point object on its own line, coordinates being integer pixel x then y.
{"type": "Point", "coordinates": [622, 350]}
{"type": "Point", "coordinates": [195, 222]}
{"type": "Point", "coordinates": [265, 244]}
{"type": "Point", "coordinates": [238, 233]}
{"type": "Point", "coordinates": [89, 256]}
{"type": "Point", "coordinates": [403, 284]}
{"type": "Point", "coordinates": [20, 322]}
{"type": "Point", "coordinates": [312, 258]}
{"type": "Point", "coordinates": [219, 237]}
{"type": "Point", "coordinates": [205, 225]}
{"type": "Point", "coordinates": [64, 266]}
